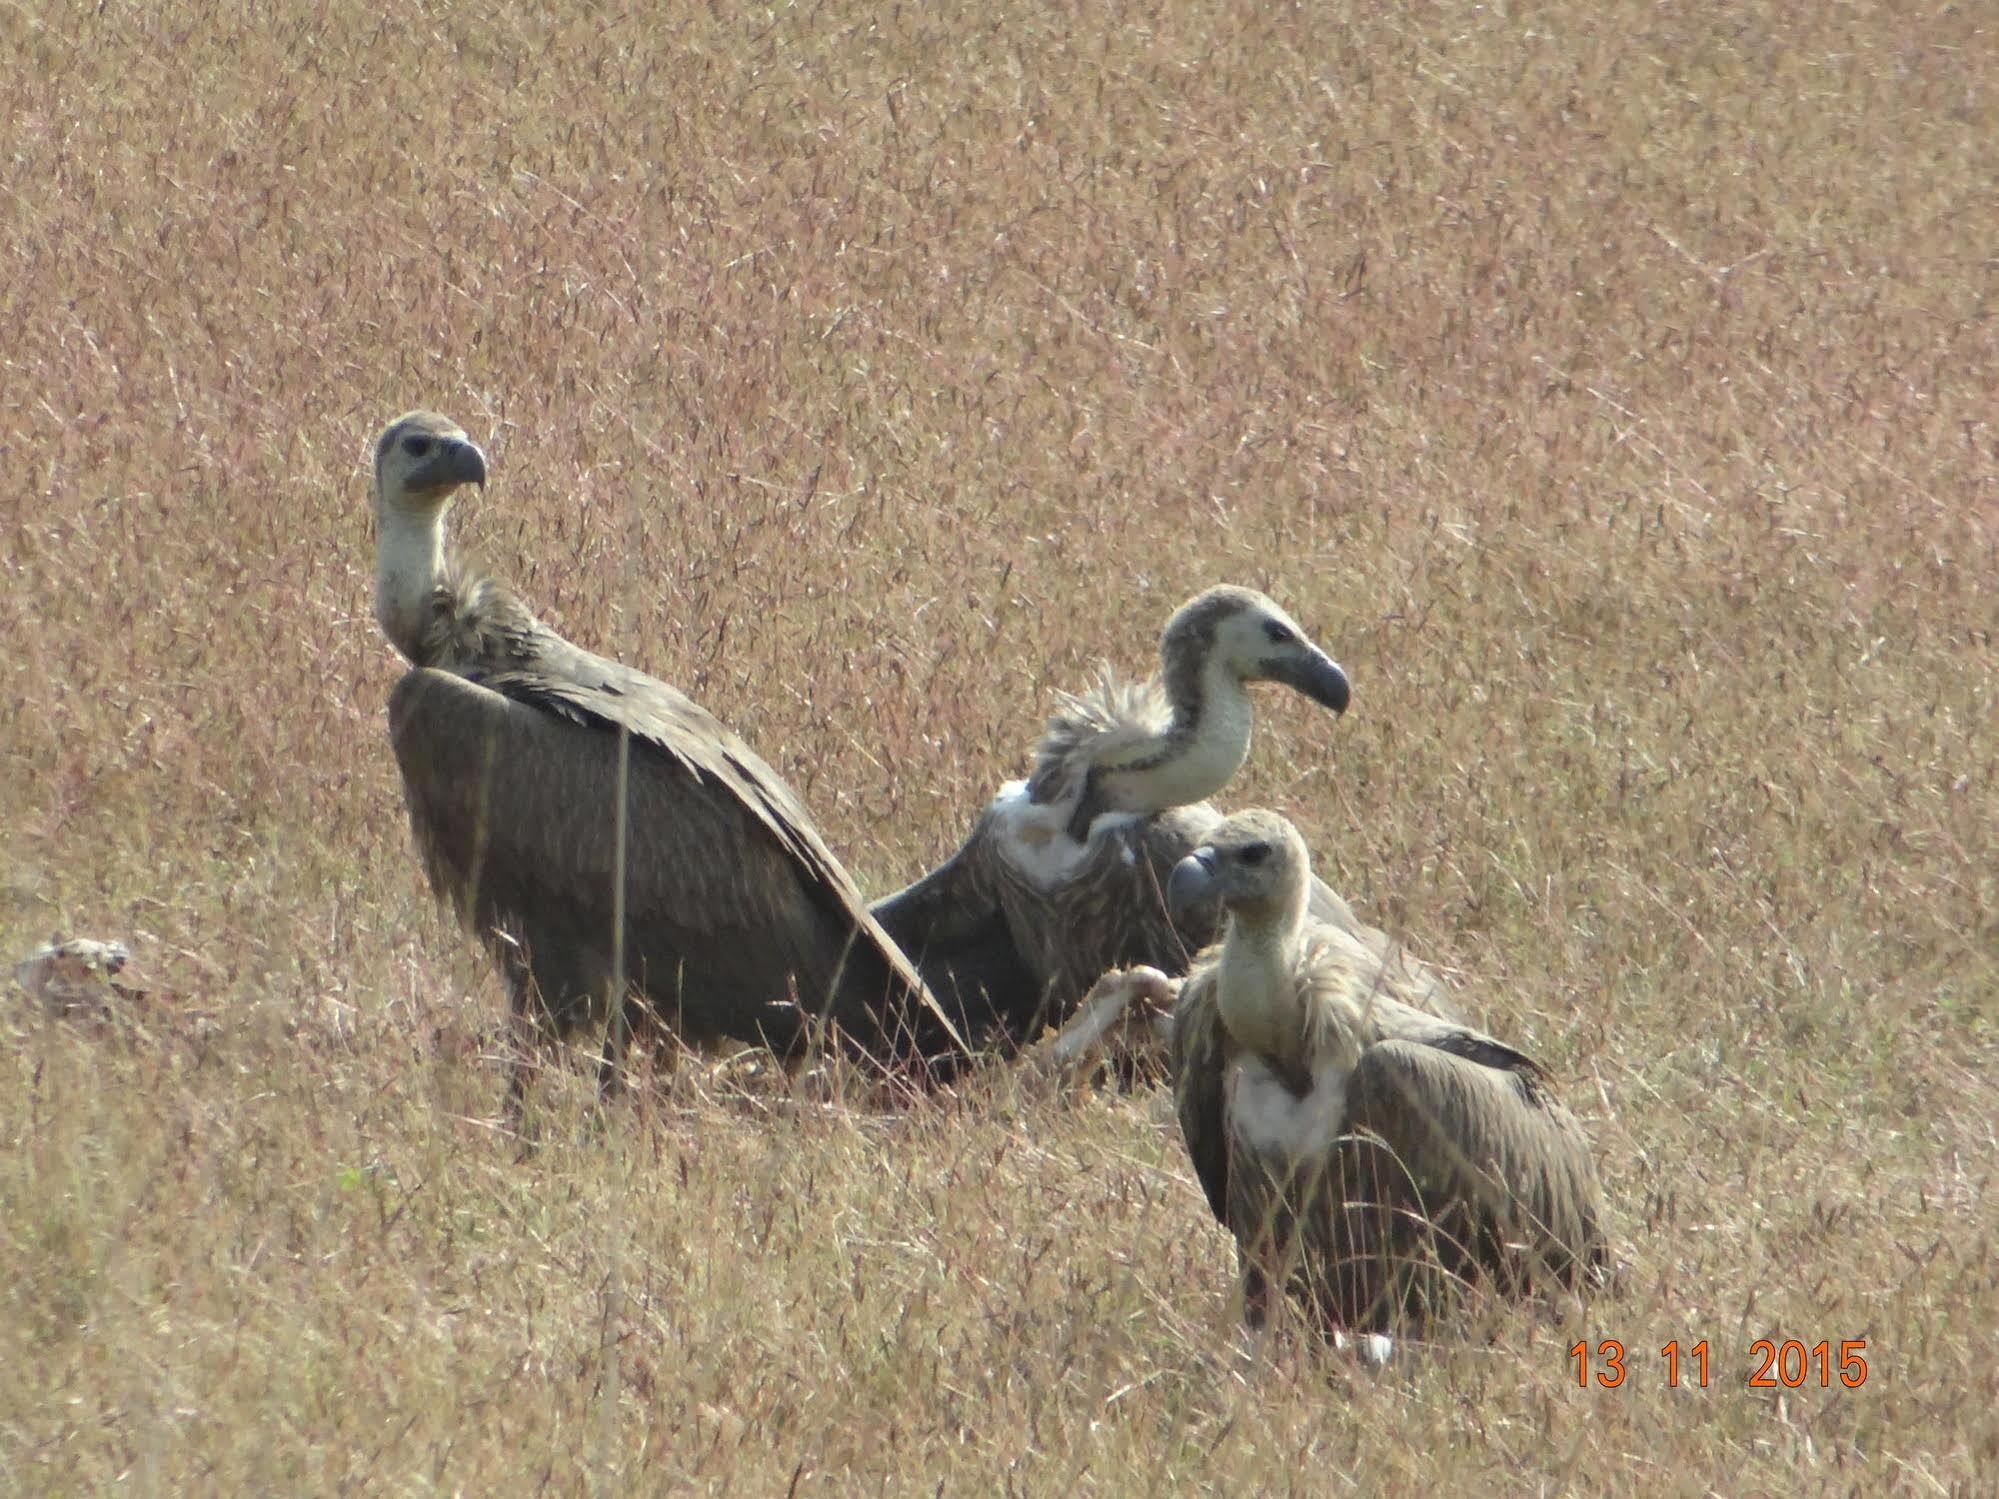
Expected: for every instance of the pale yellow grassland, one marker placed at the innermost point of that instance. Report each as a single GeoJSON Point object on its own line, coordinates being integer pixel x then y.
{"type": "Point", "coordinates": [1611, 386]}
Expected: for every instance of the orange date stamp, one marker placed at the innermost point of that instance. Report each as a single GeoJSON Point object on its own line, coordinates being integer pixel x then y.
{"type": "Point", "coordinates": [1773, 1364]}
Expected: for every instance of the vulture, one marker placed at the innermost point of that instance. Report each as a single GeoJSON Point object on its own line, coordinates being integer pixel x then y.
{"type": "Point", "coordinates": [1063, 876]}
{"type": "Point", "coordinates": [602, 834]}
{"type": "Point", "coordinates": [1369, 1158]}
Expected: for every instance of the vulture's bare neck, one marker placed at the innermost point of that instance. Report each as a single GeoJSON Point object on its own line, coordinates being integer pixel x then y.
{"type": "Point", "coordinates": [1263, 1001]}
{"type": "Point", "coordinates": [410, 567]}
{"type": "Point", "coordinates": [1203, 744]}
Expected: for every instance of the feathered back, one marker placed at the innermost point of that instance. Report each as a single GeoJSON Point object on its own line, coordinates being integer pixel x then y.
{"type": "Point", "coordinates": [1347, 984]}
{"type": "Point", "coordinates": [1091, 727]}
{"type": "Point", "coordinates": [473, 625]}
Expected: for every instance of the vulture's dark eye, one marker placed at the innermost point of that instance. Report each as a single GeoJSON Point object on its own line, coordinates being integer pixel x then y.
{"type": "Point", "coordinates": [1255, 853]}
{"type": "Point", "coordinates": [1279, 634]}
{"type": "Point", "coordinates": [416, 447]}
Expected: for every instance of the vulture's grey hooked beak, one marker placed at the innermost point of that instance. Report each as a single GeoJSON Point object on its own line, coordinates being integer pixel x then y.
{"type": "Point", "coordinates": [1316, 675]}
{"type": "Point", "coordinates": [1188, 885]}
{"type": "Point", "coordinates": [460, 462]}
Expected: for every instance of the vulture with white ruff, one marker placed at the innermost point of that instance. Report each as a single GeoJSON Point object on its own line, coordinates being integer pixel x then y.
{"type": "Point", "coordinates": [1368, 1157]}
{"type": "Point", "coordinates": [1063, 877]}
{"type": "Point", "coordinates": [518, 753]}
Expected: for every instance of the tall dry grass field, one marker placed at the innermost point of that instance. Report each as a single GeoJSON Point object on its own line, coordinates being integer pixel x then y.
{"type": "Point", "coordinates": [1610, 386]}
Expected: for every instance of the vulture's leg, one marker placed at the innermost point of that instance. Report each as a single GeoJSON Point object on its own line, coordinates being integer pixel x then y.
{"type": "Point", "coordinates": [527, 1033]}
{"type": "Point", "coordinates": [1255, 1295]}
{"type": "Point", "coordinates": [611, 1068]}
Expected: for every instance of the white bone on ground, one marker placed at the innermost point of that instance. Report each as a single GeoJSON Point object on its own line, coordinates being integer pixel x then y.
{"type": "Point", "coordinates": [1104, 1008]}
{"type": "Point", "coordinates": [1372, 1349]}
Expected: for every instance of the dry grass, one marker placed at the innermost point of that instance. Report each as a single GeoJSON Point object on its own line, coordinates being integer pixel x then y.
{"type": "Point", "coordinates": [1611, 386]}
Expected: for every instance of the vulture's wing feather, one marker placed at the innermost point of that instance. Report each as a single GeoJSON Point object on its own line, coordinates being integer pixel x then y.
{"type": "Point", "coordinates": [953, 927]}
{"type": "Point", "coordinates": [1476, 1046]}
{"type": "Point", "coordinates": [1329, 908]}
{"type": "Point", "coordinates": [577, 681]}
{"type": "Point", "coordinates": [1405, 975]}
{"type": "Point", "coordinates": [1163, 840]}
{"type": "Point", "coordinates": [577, 684]}
{"type": "Point", "coordinates": [512, 787]}
{"type": "Point", "coordinates": [1199, 1072]}
{"type": "Point", "coordinates": [1491, 1159]}
{"type": "Point", "coordinates": [951, 902]}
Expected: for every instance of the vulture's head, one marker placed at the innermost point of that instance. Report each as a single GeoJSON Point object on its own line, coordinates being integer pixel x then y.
{"type": "Point", "coordinates": [421, 459]}
{"type": "Point", "coordinates": [1248, 636]}
{"type": "Point", "coordinates": [1255, 863]}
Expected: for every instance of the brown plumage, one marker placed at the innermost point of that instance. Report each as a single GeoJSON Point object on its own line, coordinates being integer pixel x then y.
{"type": "Point", "coordinates": [737, 919]}
{"type": "Point", "coordinates": [1063, 876]}
{"type": "Point", "coordinates": [1367, 1156]}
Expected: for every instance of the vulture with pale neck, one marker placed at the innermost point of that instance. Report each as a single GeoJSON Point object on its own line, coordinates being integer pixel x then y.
{"type": "Point", "coordinates": [619, 852]}
{"type": "Point", "coordinates": [1063, 876]}
{"type": "Point", "coordinates": [1368, 1157]}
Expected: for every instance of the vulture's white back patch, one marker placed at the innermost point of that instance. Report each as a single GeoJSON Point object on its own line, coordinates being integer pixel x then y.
{"type": "Point", "coordinates": [1034, 837]}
